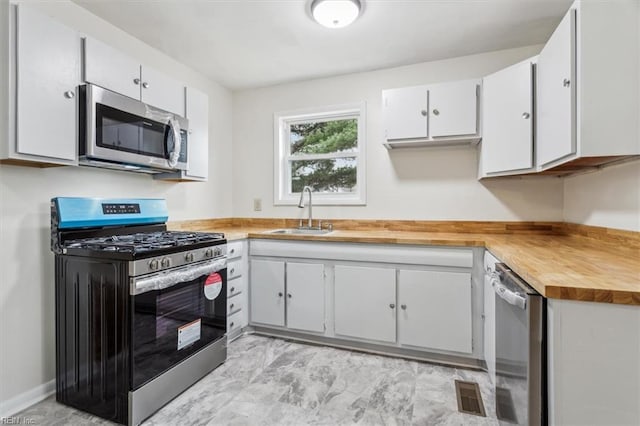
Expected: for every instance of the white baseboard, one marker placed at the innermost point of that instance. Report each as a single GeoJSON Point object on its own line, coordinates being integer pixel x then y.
{"type": "Point", "coordinates": [26, 399]}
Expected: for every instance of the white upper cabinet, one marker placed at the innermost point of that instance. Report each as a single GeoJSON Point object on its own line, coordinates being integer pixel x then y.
{"type": "Point", "coordinates": [453, 109]}
{"type": "Point", "coordinates": [365, 302]}
{"type": "Point", "coordinates": [198, 139]}
{"type": "Point", "coordinates": [47, 58]}
{"type": "Point", "coordinates": [507, 120]}
{"type": "Point", "coordinates": [162, 91]}
{"type": "Point", "coordinates": [435, 310]}
{"type": "Point", "coordinates": [588, 76]}
{"type": "Point", "coordinates": [305, 296]}
{"type": "Point", "coordinates": [111, 69]}
{"type": "Point", "coordinates": [431, 115]}
{"type": "Point", "coordinates": [405, 113]}
{"type": "Point", "coordinates": [556, 98]}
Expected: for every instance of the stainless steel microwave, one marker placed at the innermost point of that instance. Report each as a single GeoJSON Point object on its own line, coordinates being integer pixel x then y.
{"type": "Point", "coordinates": [119, 132]}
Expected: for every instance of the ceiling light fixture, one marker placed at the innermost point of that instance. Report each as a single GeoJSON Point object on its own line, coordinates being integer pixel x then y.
{"type": "Point", "coordinates": [335, 13]}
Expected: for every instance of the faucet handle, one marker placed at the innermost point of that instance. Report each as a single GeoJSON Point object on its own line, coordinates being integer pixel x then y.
{"type": "Point", "coordinates": [329, 226]}
{"type": "Point", "coordinates": [320, 224]}
{"type": "Point", "coordinates": [300, 224]}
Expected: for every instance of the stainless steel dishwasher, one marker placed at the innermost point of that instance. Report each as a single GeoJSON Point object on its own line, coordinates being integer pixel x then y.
{"type": "Point", "coordinates": [520, 350]}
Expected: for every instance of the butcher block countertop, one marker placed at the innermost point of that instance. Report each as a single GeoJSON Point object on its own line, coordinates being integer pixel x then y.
{"type": "Point", "coordinates": [561, 261]}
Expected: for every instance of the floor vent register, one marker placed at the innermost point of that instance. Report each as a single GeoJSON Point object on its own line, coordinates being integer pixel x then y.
{"type": "Point", "coordinates": [469, 398]}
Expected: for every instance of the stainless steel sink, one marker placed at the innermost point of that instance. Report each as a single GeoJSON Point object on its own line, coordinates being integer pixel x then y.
{"type": "Point", "coordinates": [299, 231]}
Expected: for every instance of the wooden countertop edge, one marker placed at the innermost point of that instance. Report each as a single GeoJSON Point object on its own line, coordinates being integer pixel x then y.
{"type": "Point", "coordinates": [497, 246]}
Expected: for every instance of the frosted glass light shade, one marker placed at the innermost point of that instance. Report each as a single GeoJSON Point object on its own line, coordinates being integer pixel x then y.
{"type": "Point", "coordinates": [335, 13]}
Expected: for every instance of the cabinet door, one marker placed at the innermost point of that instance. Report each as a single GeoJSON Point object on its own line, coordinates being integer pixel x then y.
{"type": "Point", "coordinates": [267, 292]}
{"type": "Point", "coordinates": [435, 310]}
{"type": "Point", "coordinates": [405, 113]}
{"type": "Point", "coordinates": [162, 91]}
{"type": "Point", "coordinates": [453, 108]}
{"type": "Point", "coordinates": [507, 118]}
{"type": "Point", "coordinates": [556, 94]}
{"type": "Point", "coordinates": [365, 302]}
{"type": "Point", "coordinates": [305, 296]}
{"type": "Point", "coordinates": [107, 67]}
{"type": "Point", "coordinates": [198, 140]}
{"type": "Point", "coordinates": [48, 72]}
{"type": "Point", "coordinates": [490, 328]}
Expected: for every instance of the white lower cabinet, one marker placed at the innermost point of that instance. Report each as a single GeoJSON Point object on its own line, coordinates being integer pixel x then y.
{"type": "Point", "coordinates": [305, 296]}
{"type": "Point", "coordinates": [267, 292]}
{"type": "Point", "coordinates": [304, 290]}
{"type": "Point", "coordinates": [365, 302]}
{"type": "Point", "coordinates": [435, 310]}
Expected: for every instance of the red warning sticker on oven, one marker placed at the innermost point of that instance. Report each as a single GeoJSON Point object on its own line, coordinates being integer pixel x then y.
{"type": "Point", "coordinates": [213, 286]}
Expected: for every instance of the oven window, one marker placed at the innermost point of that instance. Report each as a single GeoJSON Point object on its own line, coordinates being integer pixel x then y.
{"type": "Point", "coordinates": [119, 130]}
{"type": "Point", "coordinates": [171, 324]}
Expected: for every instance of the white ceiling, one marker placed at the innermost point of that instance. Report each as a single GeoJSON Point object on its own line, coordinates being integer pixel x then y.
{"type": "Point", "coordinates": [252, 43]}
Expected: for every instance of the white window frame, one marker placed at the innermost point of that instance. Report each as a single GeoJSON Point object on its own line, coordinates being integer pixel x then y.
{"type": "Point", "coordinates": [282, 174]}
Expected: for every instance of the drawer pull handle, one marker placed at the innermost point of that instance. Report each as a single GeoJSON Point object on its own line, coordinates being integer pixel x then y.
{"type": "Point", "coordinates": [232, 324]}
{"type": "Point", "coordinates": [232, 305]}
{"type": "Point", "coordinates": [233, 251]}
{"type": "Point", "coordinates": [233, 289]}
{"type": "Point", "coordinates": [232, 270]}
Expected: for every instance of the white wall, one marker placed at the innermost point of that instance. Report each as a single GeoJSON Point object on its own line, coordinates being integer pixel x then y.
{"type": "Point", "coordinates": [422, 183]}
{"type": "Point", "coordinates": [27, 341]}
{"type": "Point", "coordinates": [610, 197]}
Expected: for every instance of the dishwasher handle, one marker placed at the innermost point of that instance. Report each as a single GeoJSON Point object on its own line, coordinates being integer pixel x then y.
{"type": "Point", "coordinates": [507, 295]}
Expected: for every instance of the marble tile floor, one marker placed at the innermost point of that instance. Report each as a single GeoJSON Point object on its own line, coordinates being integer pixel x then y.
{"type": "Point", "coordinates": [268, 381]}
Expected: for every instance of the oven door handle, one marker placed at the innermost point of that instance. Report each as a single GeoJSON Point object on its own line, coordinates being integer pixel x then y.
{"type": "Point", "coordinates": [507, 295]}
{"type": "Point", "coordinates": [173, 277]}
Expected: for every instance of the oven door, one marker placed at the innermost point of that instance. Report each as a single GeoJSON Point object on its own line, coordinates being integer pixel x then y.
{"type": "Point", "coordinates": [124, 130]}
{"type": "Point", "coordinates": [174, 315]}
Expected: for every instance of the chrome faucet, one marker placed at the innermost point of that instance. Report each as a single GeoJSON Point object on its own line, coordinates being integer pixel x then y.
{"type": "Point", "coordinates": [301, 205]}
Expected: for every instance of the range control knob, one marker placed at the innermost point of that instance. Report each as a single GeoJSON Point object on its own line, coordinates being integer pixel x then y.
{"type": "Point", "coordinates": [153, 264]}
{"type": "Point", "coordinates": [208, 253]}
{"type": "Point", "coordinates": [188, 257]}
{"type": "Point", "coordinates": [217, 251]}
{"type": "Point", "coordinates": [166, 262]}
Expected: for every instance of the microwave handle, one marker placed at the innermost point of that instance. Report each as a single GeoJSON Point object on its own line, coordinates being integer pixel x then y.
{"type": "Point", "coordinates": [174, 128]}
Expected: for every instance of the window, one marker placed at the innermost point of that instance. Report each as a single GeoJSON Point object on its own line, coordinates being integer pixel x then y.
{"type": "Point", "coordinates": [322, 148]}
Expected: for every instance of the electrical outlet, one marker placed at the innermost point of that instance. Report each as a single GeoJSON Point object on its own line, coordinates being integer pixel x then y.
{"type": "Point", "coordinates": [257, 204]}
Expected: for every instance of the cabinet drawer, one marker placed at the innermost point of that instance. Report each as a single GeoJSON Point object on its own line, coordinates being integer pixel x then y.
{"type": "Point", "coordinates": [234, 269]}
{"type": "Point", "coordinates": [234, 304]}
{"type": "Point", "coordinates": [234, 249]}
{"type": "Point", "coordinates": [236, 286]}
{"type": "Point", "coordinates": [235, 321]}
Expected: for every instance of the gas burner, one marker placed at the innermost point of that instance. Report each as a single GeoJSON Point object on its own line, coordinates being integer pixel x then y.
{"type": "Point", "coordinates": [144, 242]}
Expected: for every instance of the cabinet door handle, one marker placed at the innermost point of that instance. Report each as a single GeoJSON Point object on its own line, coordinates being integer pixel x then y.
{"type": "Point", "coordinates": [392, 305]}
{"type": "Point", "coordinates": [279, 294]}
{"type": "Point", "coordinates": [404, 307]}
{"type": "Point", "coordinates": [566, 82]}
{"type": "Point", "coordinates": [526, 115]}
{"type": "Point", "coordinates": [436, 112]}
{"type": "Point", "coordinates": [69, 94]}
{"type": "Point", "coordinates": [145, 85]}
{"type": "Point", "coordinates": [136, 81]}
{"type": "Point", "coordinates": [289, 294]}
{"type": "Point", "coordinates": [423, 112]}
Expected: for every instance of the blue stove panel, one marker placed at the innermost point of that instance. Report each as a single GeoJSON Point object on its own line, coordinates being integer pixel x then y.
{"type": "Point", "coordinates": [99, 212]}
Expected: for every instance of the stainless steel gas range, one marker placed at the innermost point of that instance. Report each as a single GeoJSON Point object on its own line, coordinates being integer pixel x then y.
{"type": "Point", "coordinates": [140, 311]}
